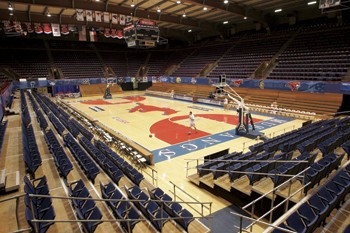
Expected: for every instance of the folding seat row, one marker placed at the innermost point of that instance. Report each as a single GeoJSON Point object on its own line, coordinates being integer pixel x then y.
{"type": "Point", "coordinates": [313, 213]}
{"type": "Point", "coordinates": [85, 209]}
{"type": "Point", "coordinates": [203, 169]}
{"type": "Point", "coordinates": [149, 208]}
{"type": "Point", "coordinates": [321, 169]}
{"type": "Point", "coordinates": [38, 208]}
{"type": "Point", "coordinates": [174, 209]}
{"type": "Point", "coordinates": [121, 207]}
{"type": "Point", "coordinates": [31, 153]}
{"type": "Point", "coordinates": [123, 165]}
{"type": "Point", "coordinates": [107, 165]}
{"type": "Point", "coordinates": [56, 123]}
{"type": "Point", "coordinates": [62, 161]}
{"type": "Point", "coordinates": [85, 162]}
{"type": "Point", "coordinates": [3, 126]}
{"type": "Point", "coordinates": [82, 129]}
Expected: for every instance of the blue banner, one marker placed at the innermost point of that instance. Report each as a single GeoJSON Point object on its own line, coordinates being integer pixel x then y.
{"type": "Point", "coordinates": [285, 85]}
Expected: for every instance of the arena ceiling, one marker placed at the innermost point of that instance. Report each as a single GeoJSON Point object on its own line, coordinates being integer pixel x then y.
{"type": "Point", "coordinates": [172, 15]}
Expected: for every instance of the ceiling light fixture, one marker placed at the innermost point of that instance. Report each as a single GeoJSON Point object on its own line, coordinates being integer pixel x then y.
{"type": "Point", "coordinates": [226, 1]}
{"type": "Point", "coordinates": [10, 7]}
{"type": "Point", "coordinates": [245, 17]}
{"type": "Point", "coordinates": [205, 8]}
{"type": "Point", "coordinates": [48, 14]}
{"type": "Point", "coordinates": [132, 4]}
{"type": "Point", "coordinates": [225, 22]}
{"type": "Point", "coordinates": [178, 2]}
{"type": "Point", "coordinates": [189, 30]}
{"type": "Point", "coordinates": [184, 15]}
{"type": "Point", "coordinates": [158, 10]}
{"type": "Point", "coordinates": [278, 10]}
{"type": "Point", "coordinates": [312, 3]}
{"type": "Point", "coordinates": [11, 13]}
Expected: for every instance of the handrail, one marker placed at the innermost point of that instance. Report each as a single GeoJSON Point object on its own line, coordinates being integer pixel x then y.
{"type": "Point", "coordinates": [264, 195]}
{"type": "Point", "coordinates": [203, 204]}
{"type": "Point", "coordinates": [259, 221]}
{"type": "Point", "coordinates": [17, 201]}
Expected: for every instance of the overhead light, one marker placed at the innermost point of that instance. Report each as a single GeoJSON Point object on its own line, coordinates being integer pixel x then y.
{"type": "Point", "coordinates": [205, 8]}
{"type": "Point", "coordinates": [11, 13]}
{"type": "Point", "coordinates": [48, 14]}
{"type": "Point", "coordinates": [312, 3]}
{"type": "Point", "coordinates": [226, 1]}
{"type": "Point", "coordinates": [278, 10]}
{"type": "Point", "coordinates": [189, 30]}
{"type": "Point", "coordinates": [158, 10]}
{"type": "Point", "coordinates": [245, 17]}
{"type": "Point", "coordinates": [10, 7]}
{"type": "Point", "coordinates": [225, 22]}
{"type": "Point", "coordinates": [178, 2]}
{"type": "Point", "coordinates": [132, 4]}
{"type": "Point", "coordinates": [97, 0]}
{"type": "Point", "coordinates": [184, 15]}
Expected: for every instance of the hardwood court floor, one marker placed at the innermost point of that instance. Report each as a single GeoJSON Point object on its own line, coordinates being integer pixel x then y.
{"type": "Point", "coordinates": [120, 115]}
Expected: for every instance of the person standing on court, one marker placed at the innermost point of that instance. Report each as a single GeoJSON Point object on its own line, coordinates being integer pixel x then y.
{"type": "Point", "coordinates": [225, 104]}
{"type": "Point", "coordinates": [192, 122]}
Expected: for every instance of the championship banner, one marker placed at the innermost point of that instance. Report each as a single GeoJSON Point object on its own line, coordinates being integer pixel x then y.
{"type": "Point", "coordinates": [122, 19]}
{"type": "Point", "coordinates": [82, 33]}
{"type": "Point", "coordinates": [56, 29]}
{"type": "Point", "coordinates": [27, 27]}
{"type": "Point", "coordinates": [64, 29]}
{"type": "Point", "coordinates": [11, 27]}
{"type": "Point", "coordinates": [120, 34]}
{"type": "Point", "coordinates": [98, 16]}
{"type": "Point", "coordinates": [107, 32]}
{"type": "Point", "coordinates": [38, 28]}
{"type": "Point", "coordinates": [47, 28]}
{"type": "Point", "coordinates": [89, 16]}
{"type": "Point", "coordinates": [79, 14]}
{"type": "Point", "coordinates": [106, 17]}
{"type": "Point", "coordinates": [128, 19]}
{"type": "Point", "coordinates": [115, 18]}
{"type": "Point", "coordinates": [93, 35]}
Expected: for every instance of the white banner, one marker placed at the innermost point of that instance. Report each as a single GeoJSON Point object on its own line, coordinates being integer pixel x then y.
{"type": "Point", "coordinates": [115, 18]}
{"type": "Point", "coordinates": [88, 15]}
{"type": "Point", "coordinates": [80, 14]}
{"type": "Point", "coordinates": [98, 16]}
{"type": "Point", "coordinates": [106, 17]}
{"type": "Point", "coordinates": [56, 29]}
{"type": "Point", "coordinates": [122, 19]}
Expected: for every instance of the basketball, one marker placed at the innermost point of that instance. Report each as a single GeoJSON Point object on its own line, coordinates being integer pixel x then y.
{"type": "Point", "coordinates": [150, 135]}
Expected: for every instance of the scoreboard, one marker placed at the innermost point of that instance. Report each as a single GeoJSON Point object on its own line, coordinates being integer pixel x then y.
{"type": "Point", "coordinates": [143, 33]}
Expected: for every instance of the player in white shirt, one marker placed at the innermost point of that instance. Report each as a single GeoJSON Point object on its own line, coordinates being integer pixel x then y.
{"type": "Point", "coordinates": [192, 122]}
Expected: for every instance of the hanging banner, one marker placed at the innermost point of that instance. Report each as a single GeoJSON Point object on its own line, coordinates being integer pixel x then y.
{"type": "Point", "coordinates": [93, 35]}
{"type": "Point", "coordinates": [98, 16]}
{"type": "Point", "coordinates": [82, 33]}
{"type": "Point", "coordinates": [115, 18]}
{"type": "Point", "coordinates": [122, 19]}
{"type": "Point", "coordinates": [80, 14]}
{"type": "Point", "coordinates": [38, 28]}
{"type": "Point", "coordinates": [47, 28]}
{"type": "Point", "coordinates": [128, 19]}
{"type": "Point", "coordinates": [88, 15]}
{"type": "Point", "coordinates": [64, 29]}
{"type": "Point", "coordinates": [107, 32]}
{"type": "Point", "coordinates": [56, 29]}
{"type": "Point", "coordinates": [106, 17]}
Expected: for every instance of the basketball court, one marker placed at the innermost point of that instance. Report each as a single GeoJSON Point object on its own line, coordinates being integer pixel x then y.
{"type": "Point", "coordinates": [161, 126]}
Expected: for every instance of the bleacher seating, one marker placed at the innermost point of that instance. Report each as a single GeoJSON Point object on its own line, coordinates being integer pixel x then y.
{"type": "Point", "coordinates": [85, 209]}
{"type": "Point", "coordinates": [317, 53]}
{"type": "Point", "coordinates": [38, 208]}
{"type": "Point", "coordinates": [31, 153]}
